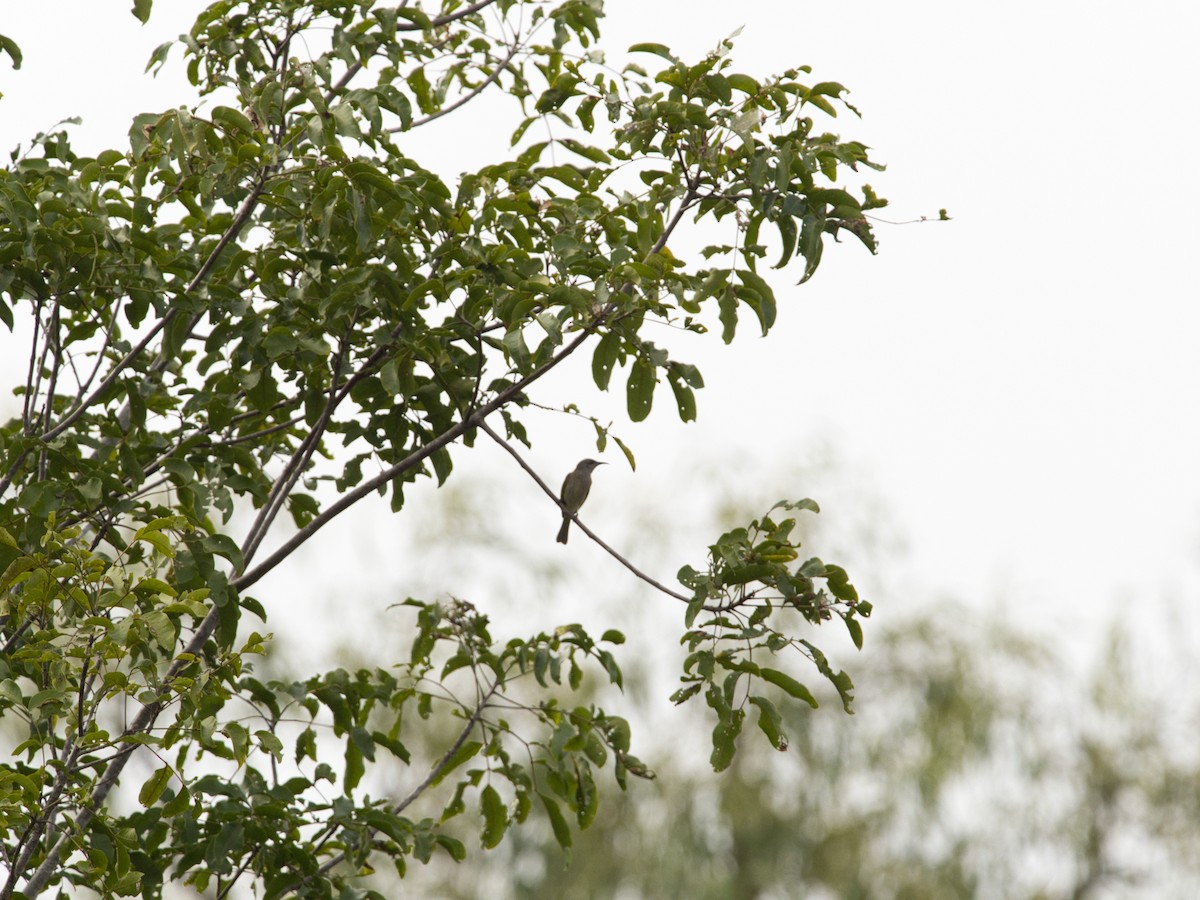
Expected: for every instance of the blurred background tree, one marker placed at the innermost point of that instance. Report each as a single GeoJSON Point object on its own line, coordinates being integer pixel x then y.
{"type": "Point", "coordinates": [976, 766]}
{"type": "Point", "coordinates": [982, 761]}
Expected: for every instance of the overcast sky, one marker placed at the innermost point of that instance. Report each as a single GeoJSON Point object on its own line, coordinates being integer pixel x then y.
{"type": "Point", "coordinates": [1019, 385]}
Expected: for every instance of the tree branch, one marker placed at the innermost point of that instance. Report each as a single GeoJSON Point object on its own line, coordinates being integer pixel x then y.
{"type": "Point", "coordinates": [575, 517]}
{"type": "Point", "coordinates": [142, 722]}
{"type": "Point", "coordinates": [231, 233]}
{"type": "Point", "coordinates": [146, 717]}
{"type": "Point", "coordinates": [447, 19]}
{"type": "Point", "coordinates": [347, 500]}
{"type": "Point", "coordinates": [295, 466]}
{"type": "Point", "coordinates": [466, 98]}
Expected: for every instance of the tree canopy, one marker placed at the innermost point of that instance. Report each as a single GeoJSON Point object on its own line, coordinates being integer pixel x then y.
{"type": "Point", "coordinates": [262, 311]}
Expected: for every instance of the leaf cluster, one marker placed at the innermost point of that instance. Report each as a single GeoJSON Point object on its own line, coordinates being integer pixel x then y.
{"type": "Point", "coordinates": [263, 309]}
{"type": "Point", "coordinates": [737, 622]}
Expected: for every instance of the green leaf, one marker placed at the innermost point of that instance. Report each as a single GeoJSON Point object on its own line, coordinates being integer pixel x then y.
{"type": "Point", "coordinates": [811, 245]}
{"type": "Point", "coordinates": [239, 737]}
{"type": "Point", "coordinates": [685, 401]}
{"type": "Point", "coordinates": [269, 743]}
{"type": "Point", "coordinates": [9, 46]}
{"type": "Point", "coordinates": [141, 10]}
{"type": "Point", "coordinates": [789, 684]}
{"type": "Point", "coordinates": [154, 785]}
{"type": "Point", "coordinates": [724, 739]}
{"type": "Point", "coordinates": [720, 87]}
{"type": "Point", "coordinates": [157, 540]}
{"type": "Point", "coordinates": [760, 298]}
{"type": "Point", "coordinates": [639, 390]}
{"type": "Point", "coordinates": [155, 586]}
{"type": "Point", "coordinates": [495, 817]}
{"type": "Point", "coordinates": [743, 83]}
{"type": "Point", "coordinates": [223, 545]}
{"type": "Point", "coordinates": [595, 154]}
{"type": "Point", "coordinates": [839, 583]}
{"type": "Point", "coordinates": [162, 628]}
{"type": "Point", "coordinates": [610, 666]}
{"type": "Point", "coordinates": [232, 120]}
{"type": "Point", "coordinates": [177, 804]}
{"type": "Point", "coordinates": [355, 768]}
{"type": "Point", "coordinates": [686, 693]}
{"type": "Point", "coordinates": [516, 348]}
{"type": "Point", "coordinates": [460, 756]}
{"type": "Point", "coordinates": [363, 740]}
{"type": "Point", "coordinates": [728, 313]}
{"type": "Point", "coordinates": [855, 629]}
{"type": "Point", "coordinates": [558, 822]}
{"type": "Point", "coordinates": [770, 722]}
{"type": "Point", "coordinates": [657, 49]}
{"type": "Point", "coordinates": [159, 57]}
{"type": "Point", "coordinates": [628, 453]}
{"type": "Point", "coordinates": [558, 93]}
{"type": "Point", "coordinates": [587, 798]}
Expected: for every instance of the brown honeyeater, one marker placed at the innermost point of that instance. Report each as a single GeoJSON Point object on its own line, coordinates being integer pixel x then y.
{"type": "Point", "coordinates": [574, 491]}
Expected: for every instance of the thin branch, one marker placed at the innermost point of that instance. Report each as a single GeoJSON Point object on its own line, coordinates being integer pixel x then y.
{"type": "Point", "coordinates": [100, 354]}
{"type": "Point", "coordinates": [33, 836]}
{"type": "Point", "coordinates": [27, 413]}
{"type": "Point", "coordinates": [444, 20]}
{"type": "Point", "coordinates": [53, 337]}
{"type": "Point", "coordinates": [465, 98]}
{"type": "Point", "coordinates": [414, 459]}
{"type": "Point", "coordinates": [141, 723]}
{"type": "Point", "coordinates": [473, 420]}
{"type": "Point", "coordinates": [295, 466]}
{"type": "Point", "coordinates": [256, 435]}
{"type": "Point", "coordinates": [688, 199]}
{"type": "Point", "coordinates": [575, 517]}
{"type": "Point", "coordinates": [7, 481]}
{"type": "Point", "coordinates": [437, 769]}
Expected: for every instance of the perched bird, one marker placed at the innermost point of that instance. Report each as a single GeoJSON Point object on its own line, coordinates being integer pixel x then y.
{"type": "Point", "coordinates": [575, 490]}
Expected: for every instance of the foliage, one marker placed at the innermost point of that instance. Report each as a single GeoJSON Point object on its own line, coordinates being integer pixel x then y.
{"type": "Point", "coordinates": [262, 299]}
{"type": "Point", "coordinates": [978, 767]}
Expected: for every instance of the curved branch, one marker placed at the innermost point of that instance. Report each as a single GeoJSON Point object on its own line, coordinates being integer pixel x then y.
{"type": "Point", "coordinates": [575, 518]}
{"type": "Point", "coordinates": [447, 19]}
{"type": "Point", "coordinates": [440, 765]}
{"type": "Point", "coordinates": [465, 98]}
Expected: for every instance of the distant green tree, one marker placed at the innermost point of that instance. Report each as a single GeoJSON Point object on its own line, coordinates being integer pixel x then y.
{"type": "Point", "coordinates": [976, 767]}
{"type": "Point", "coordinates": [263, 298]}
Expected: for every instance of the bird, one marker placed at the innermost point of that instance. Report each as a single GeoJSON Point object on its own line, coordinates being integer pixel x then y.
{"type": "Point", "coordinates": [574, 491]}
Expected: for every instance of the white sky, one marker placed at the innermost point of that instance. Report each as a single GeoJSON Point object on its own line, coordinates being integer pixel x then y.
{"type": "Point", "coordinates": [1019, 384]}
